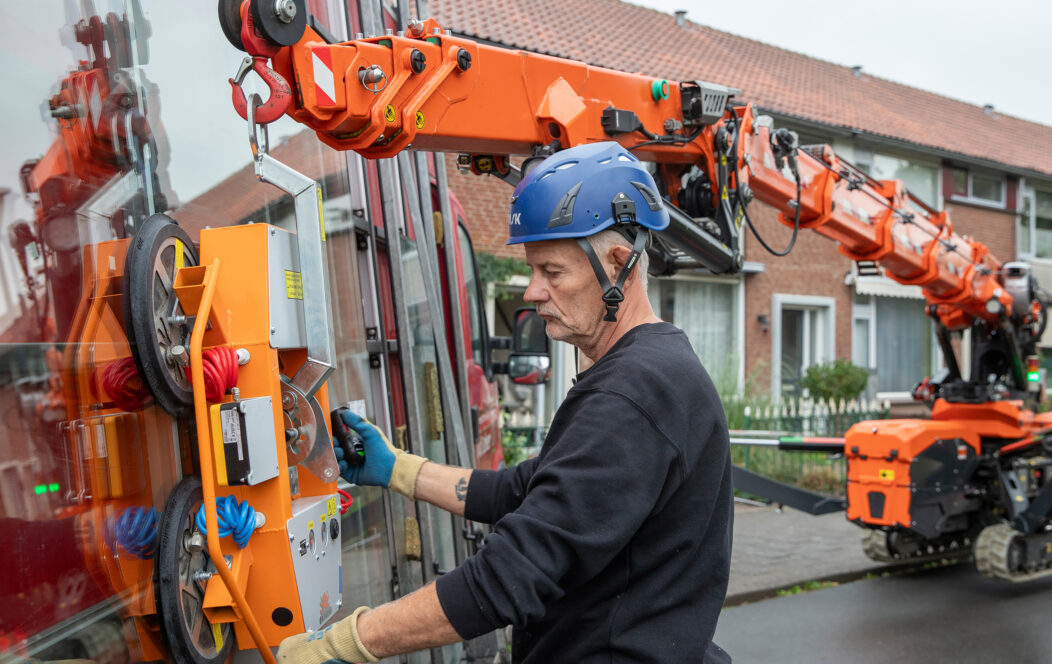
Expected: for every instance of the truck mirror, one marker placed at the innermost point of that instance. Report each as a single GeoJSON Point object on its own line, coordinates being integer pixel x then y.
{"type": "Point", "coordinates": [529, 363]}
{"type": "Point", "coordinates": [530, 369]}
{"type": "Point", "coordinates": [529, 337]}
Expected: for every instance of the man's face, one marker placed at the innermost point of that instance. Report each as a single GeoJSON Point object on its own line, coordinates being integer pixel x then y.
{"type": "Point", "coordinates": [565, 291]}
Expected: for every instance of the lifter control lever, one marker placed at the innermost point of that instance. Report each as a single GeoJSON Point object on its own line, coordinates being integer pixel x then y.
{"type": "Point", "coordinates": [348, 439]}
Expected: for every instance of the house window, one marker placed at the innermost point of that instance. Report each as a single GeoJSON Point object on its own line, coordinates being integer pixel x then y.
{"type": "Point", "coordinates": [1042, 222]}
{"type": "Point", "coordinates": [920, 180]}
{"type": "Point", "coordinates": [803, 335]}
{"type": "Point", "coordinates": [904, 343]}
{"type": "Point", "coordinates": [709, 313]}
{"type": "Point", "coordinates": [978, 187]}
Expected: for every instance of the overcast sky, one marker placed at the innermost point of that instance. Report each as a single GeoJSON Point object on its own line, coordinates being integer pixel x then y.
{"type": "Point", "coordinates": [978, 51]}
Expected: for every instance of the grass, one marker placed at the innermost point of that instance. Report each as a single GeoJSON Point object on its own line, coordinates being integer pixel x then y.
{"type": "Point", "coordinates": [806, 587]}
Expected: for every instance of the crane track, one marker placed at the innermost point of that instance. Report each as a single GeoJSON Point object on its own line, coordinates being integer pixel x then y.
{"type": "Point", "coordinates": [876, 546]}
{"type": "Point", "coordinates": [999, 555]}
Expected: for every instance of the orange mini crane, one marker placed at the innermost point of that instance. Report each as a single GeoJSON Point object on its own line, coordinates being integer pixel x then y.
{"type": "Point", "coordinates": [972, 477]}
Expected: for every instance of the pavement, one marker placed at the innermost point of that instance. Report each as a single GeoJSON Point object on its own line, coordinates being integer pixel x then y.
{"type": "Point", "coordinates": [939, 614]}
{"type": "Point", "coordinates": [778, 549]}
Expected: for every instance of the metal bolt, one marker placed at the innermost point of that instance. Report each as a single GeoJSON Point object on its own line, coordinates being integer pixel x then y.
{"type": "Point", "coordinates": [415, 26]}
{"type": "Point", "coordinates": [236, 393]}
{"type": "Point", "coordinates": [243, 356]}
{"type": "Point", "coordinates": [176, 320]}
{"type": "Point", "coordinates": [273, 330]}
{"type": "Point", "coordinates": [202, 576]}
{"type": "Point", "coordinates": [177, 355]}
{"type": "Point", "coordinates": [463, 60]}
{"type": "Point", "coordinates": [196, 543]}
{"type": "Point", "coordinates": [285, 10]}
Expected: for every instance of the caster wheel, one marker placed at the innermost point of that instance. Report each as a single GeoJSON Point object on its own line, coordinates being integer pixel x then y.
{"type": "Point", "coordinates": [158, 331]}
{"type": "Point", "coordinates": [180, 576]}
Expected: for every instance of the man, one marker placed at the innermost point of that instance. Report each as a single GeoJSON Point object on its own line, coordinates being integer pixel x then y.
{"type": "Point", "coordinates": [613, 545]}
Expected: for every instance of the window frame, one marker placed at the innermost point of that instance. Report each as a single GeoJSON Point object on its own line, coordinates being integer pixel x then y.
{"type": "Point", "coordinates": [970, 197]}
{"type": "Point", "coordinates": [781, 301]}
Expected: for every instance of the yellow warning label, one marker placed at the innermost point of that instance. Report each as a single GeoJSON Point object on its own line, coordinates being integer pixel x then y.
{"type": "Point", "coordinates": [178, 254]}
{"type": "Point", "coordinates": [389, 114]}
{"type": "Point", "coordinates": [310, 525]}
{"type": "Point", "coordinates": [321, 215]}
{"type": "Point", "coordinates": [331, 506]}
{"type": "Point", "coordinates": [419, 120]}
{"type": "Point", "coordinates": [217, 635]}
{"type": "Point", "coordinates": [886, 474]}
{"type": "Point", "coordinates": [293, 285]}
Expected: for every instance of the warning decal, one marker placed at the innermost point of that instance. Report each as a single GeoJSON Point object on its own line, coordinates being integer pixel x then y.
{"type": "Point", "coordinates": [293, 285]}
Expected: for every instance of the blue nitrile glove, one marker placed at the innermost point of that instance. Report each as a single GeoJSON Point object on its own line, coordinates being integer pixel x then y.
{"type": "Point", "coordinates": [385, 465]}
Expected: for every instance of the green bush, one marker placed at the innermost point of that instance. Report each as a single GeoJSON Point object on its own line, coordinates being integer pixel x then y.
{"type": "Point", "coordinates": [835, 381]}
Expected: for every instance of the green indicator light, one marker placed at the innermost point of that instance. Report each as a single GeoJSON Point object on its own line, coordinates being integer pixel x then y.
{"type": "Point", "coordinates": [1034, 376]}
{"type": "Point", "coordinates": [40, 489]}
{"type": "Point", "coordinates": [791, 439]}
{"type": "Point", "coordinates": [53, 487]}
{"type": "Point", "coordinates": [659, 90]}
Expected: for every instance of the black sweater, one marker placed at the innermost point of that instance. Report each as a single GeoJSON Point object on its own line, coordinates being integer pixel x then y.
{"type": "Point", "coordinates": [613, 545]}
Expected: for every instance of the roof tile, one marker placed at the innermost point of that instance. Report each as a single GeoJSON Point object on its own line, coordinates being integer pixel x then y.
{"type": "Point", "coordinates": [619, 35]}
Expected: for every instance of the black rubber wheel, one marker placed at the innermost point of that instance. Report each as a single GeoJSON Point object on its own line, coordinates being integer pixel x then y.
{"type": "Point", "coordinates": [181, 554]}
{"type": "Point", "coordinates": [153, 317]}
{"type": "Point", "coordinates": [230, 21]}
{"type": "Point", "coordinates": [265, 18]}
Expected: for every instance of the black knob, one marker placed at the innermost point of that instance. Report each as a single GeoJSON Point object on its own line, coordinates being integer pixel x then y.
{"type": "Point", "coordinates": [417, 60]}
{"type": "Point", "coordinates": [334, 529]}
{"type": "Point", "coordinates": [463, 60]}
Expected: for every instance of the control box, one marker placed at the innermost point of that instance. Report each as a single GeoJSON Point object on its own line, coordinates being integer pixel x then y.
{"type": "Point", "coordinates": [314, 537]}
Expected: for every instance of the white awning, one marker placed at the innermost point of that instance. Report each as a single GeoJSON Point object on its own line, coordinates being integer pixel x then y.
{"type": "Point", "coordinates": [883, 287]}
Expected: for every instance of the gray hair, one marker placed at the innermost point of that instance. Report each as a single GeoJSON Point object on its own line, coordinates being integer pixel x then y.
{"type": "Point", "coordinates": [603, 241]}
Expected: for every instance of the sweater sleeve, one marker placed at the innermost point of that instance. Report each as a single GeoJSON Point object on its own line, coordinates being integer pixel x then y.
{"type": "Point", "coordinates": [588, 496]}
{"type": "Point", "coordinates": [494, 493]}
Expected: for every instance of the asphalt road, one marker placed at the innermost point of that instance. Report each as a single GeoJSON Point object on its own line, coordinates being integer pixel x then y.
{"type": "Point", "coordinates": [941, 615]}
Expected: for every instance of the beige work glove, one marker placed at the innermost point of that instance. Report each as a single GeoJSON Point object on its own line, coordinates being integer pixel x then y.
{"type": "Point", "coordinates": [338, 641]}
{"type": "Point", "coordinates": [383, 464]}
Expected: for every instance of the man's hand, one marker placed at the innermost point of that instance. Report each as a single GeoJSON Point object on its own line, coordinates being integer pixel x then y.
{"type": "Point", "coordinates": [339, 641]}
{"type": "Point", "coordinates": [385, 465]}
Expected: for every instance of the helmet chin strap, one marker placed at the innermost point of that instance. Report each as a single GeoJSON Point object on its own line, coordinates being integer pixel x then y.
{"type": "Point", "coordinates": [613, 295]}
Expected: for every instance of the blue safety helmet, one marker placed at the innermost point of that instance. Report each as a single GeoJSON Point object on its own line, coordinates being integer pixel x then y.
{"type": "Point", "coordinates": [584, 190]}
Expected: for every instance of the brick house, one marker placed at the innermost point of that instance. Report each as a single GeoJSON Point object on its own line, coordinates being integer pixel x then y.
{"type": "Point", "coordinates": [990, 171]}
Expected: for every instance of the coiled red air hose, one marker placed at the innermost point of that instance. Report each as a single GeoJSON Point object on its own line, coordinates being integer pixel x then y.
{"type": "Point", "coordinates": [122, 382]}
{"type": "Point", "coordinates": [220, 369]}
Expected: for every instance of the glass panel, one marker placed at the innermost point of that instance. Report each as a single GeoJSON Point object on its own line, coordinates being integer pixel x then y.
{"type": "Point", "coordinates": [792, 352]}
{"type": "Point", "coordinates": [960, 182]}
{"type": "Point", "coordinates": [1023, 225]}
{"type": "Point", "coordinates": [860, 343]}
{"type": "Point", "coordinates": [987, 188]}
{"type": "Point", "coordinates": [919, 180]}
{"type": "Point", "coordinates": [428, 406]}
{"type": "Point", "coordinates": [474, 306]}
{"type": "Point", "coordinates": [900, 365]}
{"type": "Point", "coordinates": [707, 312]}
{"type": "Point", "coordinates": [138, 124]}
{"type": "Point", "coordinates": [1042, 224]}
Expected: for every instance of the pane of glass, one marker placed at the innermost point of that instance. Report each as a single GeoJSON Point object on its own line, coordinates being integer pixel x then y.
{"type": "Point", "coordinates": [987, 188]}
{"type": "Point", "coordinates": [792, 351]}
{"type": "Point", "coordinates": [1043, 224]}
{"type": "Point", "coordinates": [960, 182]}
{"type": "Point", "coordinates": [860, 343]}
{"type": "Point", "coordinates": [707, 313]}
{"type": "Point", "coordinates": [86, 461]}
{"type": "Point", "coordinates": [1023, 225]}
{"type": "Point", "coordinates": [475, 307]}
{"type": "Point", "coordinates": [919, 180]}
{"type": "Point", "coordinates": [428, 406]}
{"type": "Point", "coordinates": [900, 365]}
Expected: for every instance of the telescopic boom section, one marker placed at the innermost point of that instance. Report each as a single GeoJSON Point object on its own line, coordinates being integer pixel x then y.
{"type": "Point", "coordinates": [430, 90]}
{"type": "Point", "coordinates": [880, 221]}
